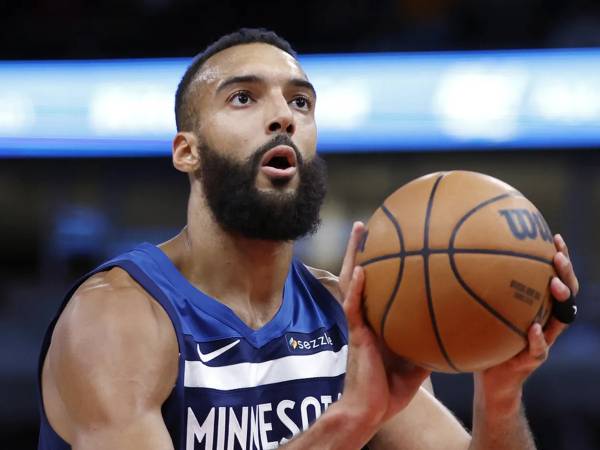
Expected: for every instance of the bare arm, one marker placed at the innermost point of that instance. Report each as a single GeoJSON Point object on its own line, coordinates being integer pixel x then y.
{"type": "Point", "coordinates": [499, 421]}
{"type": "Point", "coordinates": [425, 424]}
{"type": "Point", "coordinates": [500, 429]}
{"type": "Point", "coordinates": [111, 365]}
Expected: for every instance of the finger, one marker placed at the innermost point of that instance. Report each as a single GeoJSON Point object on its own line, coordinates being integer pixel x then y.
{"type": "Point", "coordinates": [353, 300]}
{"type": "Point", "coordinates": [538, 347]}
{"type": "Point", "coordinates": [564, 269]}
{"type": "Point", "coordinates": [561, 245]}
{"type": "Point", "coordinates": [397, 364]}
{"type": "Point", "coordinates": [535, 352]}
{"type": "Point", "coordinates": [405, 370]}
{"type": "Point", "coordinates": [349, 261]}
{"type": "Point", "coordinates": [559, 290]}
{"type": "Point", "coordinates": [563, 303]}
{"type": "Point", "coordinates": [407, 381]}
{"type": "Point", "coordinates": [553, 329]}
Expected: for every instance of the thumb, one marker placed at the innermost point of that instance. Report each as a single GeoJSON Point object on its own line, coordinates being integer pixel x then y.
{"type": "Point", "coordinates": [358, 230]}
{"type": "Point", "coordinates": [353, 300]}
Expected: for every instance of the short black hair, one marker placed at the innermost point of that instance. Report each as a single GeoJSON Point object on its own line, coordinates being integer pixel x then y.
{"type": "Point", "coordinates": [184, 111]}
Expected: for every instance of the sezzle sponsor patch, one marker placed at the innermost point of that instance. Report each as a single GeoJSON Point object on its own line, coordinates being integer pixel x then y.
{"type": "Point", "coordinates": [319, 340]}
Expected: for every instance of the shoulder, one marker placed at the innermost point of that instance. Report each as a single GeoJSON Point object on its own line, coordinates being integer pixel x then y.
{"type": "Point", "coordinates": [111, 364]}
{"type": "Point", "coordinates": [109, 306]}
{"type": "Point", "coordinates": [330, 281]}
{"type": "Point", "coordinates": [112, 301]}
{"type": "Point", "coordinates": [112, 343]}
{"type": "Point", "coordinates": [114, 288]}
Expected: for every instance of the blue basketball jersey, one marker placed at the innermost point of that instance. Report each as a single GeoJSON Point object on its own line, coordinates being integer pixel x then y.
{"type": "Point", "coordinates": [237, 388]}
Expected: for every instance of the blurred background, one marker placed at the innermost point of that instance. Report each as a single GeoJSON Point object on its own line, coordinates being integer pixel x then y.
{"type": "Point", "coordinates": [84, 148]}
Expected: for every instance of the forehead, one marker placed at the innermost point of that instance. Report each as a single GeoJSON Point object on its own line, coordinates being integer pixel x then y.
{"type": "Point", "coordinates": [250, 59]}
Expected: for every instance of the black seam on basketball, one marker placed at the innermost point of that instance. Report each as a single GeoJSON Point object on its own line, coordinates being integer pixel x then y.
{"type": "Point", "coordinates": [474, 210]}
{"type": "Point", "coordinates": [483, 251]}
{"type": "Point", "coordinates": [426, 273]}
{"type": "Point", "coordinates": [390, 301]}
{"type": "Point", "coordinates": [482, 302]}
{"type": "Point", "coordinates": [402, 254]}
{"type": "Point", "coordinates": [441, 251]}
{"type": "Point", "coordinates": [541, 307]}
{"type": "Point", "coordinates": [463, 283]}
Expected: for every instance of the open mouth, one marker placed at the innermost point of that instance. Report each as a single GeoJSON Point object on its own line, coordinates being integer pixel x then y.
{"type": "Point", "coordinates": [279, 162]}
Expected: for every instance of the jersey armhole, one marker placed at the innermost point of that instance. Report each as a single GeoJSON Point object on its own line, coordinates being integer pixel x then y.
{"type": "Point", "coordinates": [323, 293]}
{"type": "Point", "coordinates": [141, 278]}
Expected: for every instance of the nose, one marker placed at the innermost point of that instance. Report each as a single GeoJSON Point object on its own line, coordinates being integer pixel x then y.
{"type": "Point", "coordinates": [281, 118]}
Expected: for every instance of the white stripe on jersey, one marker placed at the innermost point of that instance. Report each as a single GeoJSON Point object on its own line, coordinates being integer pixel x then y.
{"type": "Point", "coordinates": [246, 375]}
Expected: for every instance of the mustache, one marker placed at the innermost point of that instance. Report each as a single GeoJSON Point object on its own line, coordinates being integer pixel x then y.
{"type": "Point", "coordinates": [280, 139]}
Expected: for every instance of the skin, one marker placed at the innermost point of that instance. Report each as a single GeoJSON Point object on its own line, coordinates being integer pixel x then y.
{"type": "Point", "coordinates": [113, 358]}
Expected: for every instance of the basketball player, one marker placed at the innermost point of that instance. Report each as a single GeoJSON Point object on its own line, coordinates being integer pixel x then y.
{"type": "Point", "coordinates": [219, 338]}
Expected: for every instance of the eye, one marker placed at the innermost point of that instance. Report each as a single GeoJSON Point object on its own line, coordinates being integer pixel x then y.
{"type": "Point", "coordinates": [302, 102]}
{"type": "Point", "coordinates": [240, 98]}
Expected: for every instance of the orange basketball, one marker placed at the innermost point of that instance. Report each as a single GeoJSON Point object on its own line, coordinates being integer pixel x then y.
{"type": "Point", "coordinates": [457, 268]}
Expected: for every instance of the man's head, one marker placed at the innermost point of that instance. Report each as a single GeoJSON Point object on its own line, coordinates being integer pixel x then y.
{"type": "Point", "coordinates": [185, 114]}
{"type": "Point", "coordinates": [247, 136]}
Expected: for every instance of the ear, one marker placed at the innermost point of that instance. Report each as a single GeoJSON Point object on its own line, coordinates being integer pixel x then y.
{"type": "Point", "coordinates": [185, 152]}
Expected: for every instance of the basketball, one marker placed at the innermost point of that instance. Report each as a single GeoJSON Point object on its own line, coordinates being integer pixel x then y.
{"type": "Point", "coordinates": [457, 268]}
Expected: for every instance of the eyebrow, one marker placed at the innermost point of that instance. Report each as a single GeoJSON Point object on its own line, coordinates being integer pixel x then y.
{"type": "Point", "coordinates": [299, 82]}
{"type": "Point", "coordinates": [241, 79]}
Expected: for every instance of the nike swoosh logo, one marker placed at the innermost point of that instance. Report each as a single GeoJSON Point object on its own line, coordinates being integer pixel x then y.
{"type": "Point", "coordinates": [215, 353]}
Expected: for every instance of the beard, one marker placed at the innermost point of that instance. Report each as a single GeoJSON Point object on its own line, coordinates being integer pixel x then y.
{"type": "Point", "coordinates": [240, 207]}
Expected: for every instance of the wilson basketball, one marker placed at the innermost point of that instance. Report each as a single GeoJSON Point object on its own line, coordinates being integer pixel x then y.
{"type": "Point", "coordinates": [457, 268]}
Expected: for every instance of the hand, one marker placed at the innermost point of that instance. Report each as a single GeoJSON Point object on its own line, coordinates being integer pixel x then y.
{"type": "Point", "coordinates": [503, 383]}
{"type": "Point", "coordinates": [378, 384]}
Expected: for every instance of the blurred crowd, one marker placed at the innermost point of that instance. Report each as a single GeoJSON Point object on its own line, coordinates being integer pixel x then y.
{"type": "Point", "coordinates": [165, 28]}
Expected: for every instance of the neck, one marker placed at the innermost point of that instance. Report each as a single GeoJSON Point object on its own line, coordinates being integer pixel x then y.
{"type": "Point", "coordinates": [247, 275]}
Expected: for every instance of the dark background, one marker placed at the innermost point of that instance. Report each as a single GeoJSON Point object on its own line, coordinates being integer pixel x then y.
{"type": "Point", "coordinates": [60, 217]}
{"type": "Point", "coordinates": [46, 29]}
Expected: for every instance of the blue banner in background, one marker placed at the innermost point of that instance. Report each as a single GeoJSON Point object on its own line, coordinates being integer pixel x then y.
{"type": "Point", "coordinates": [366, 102]}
